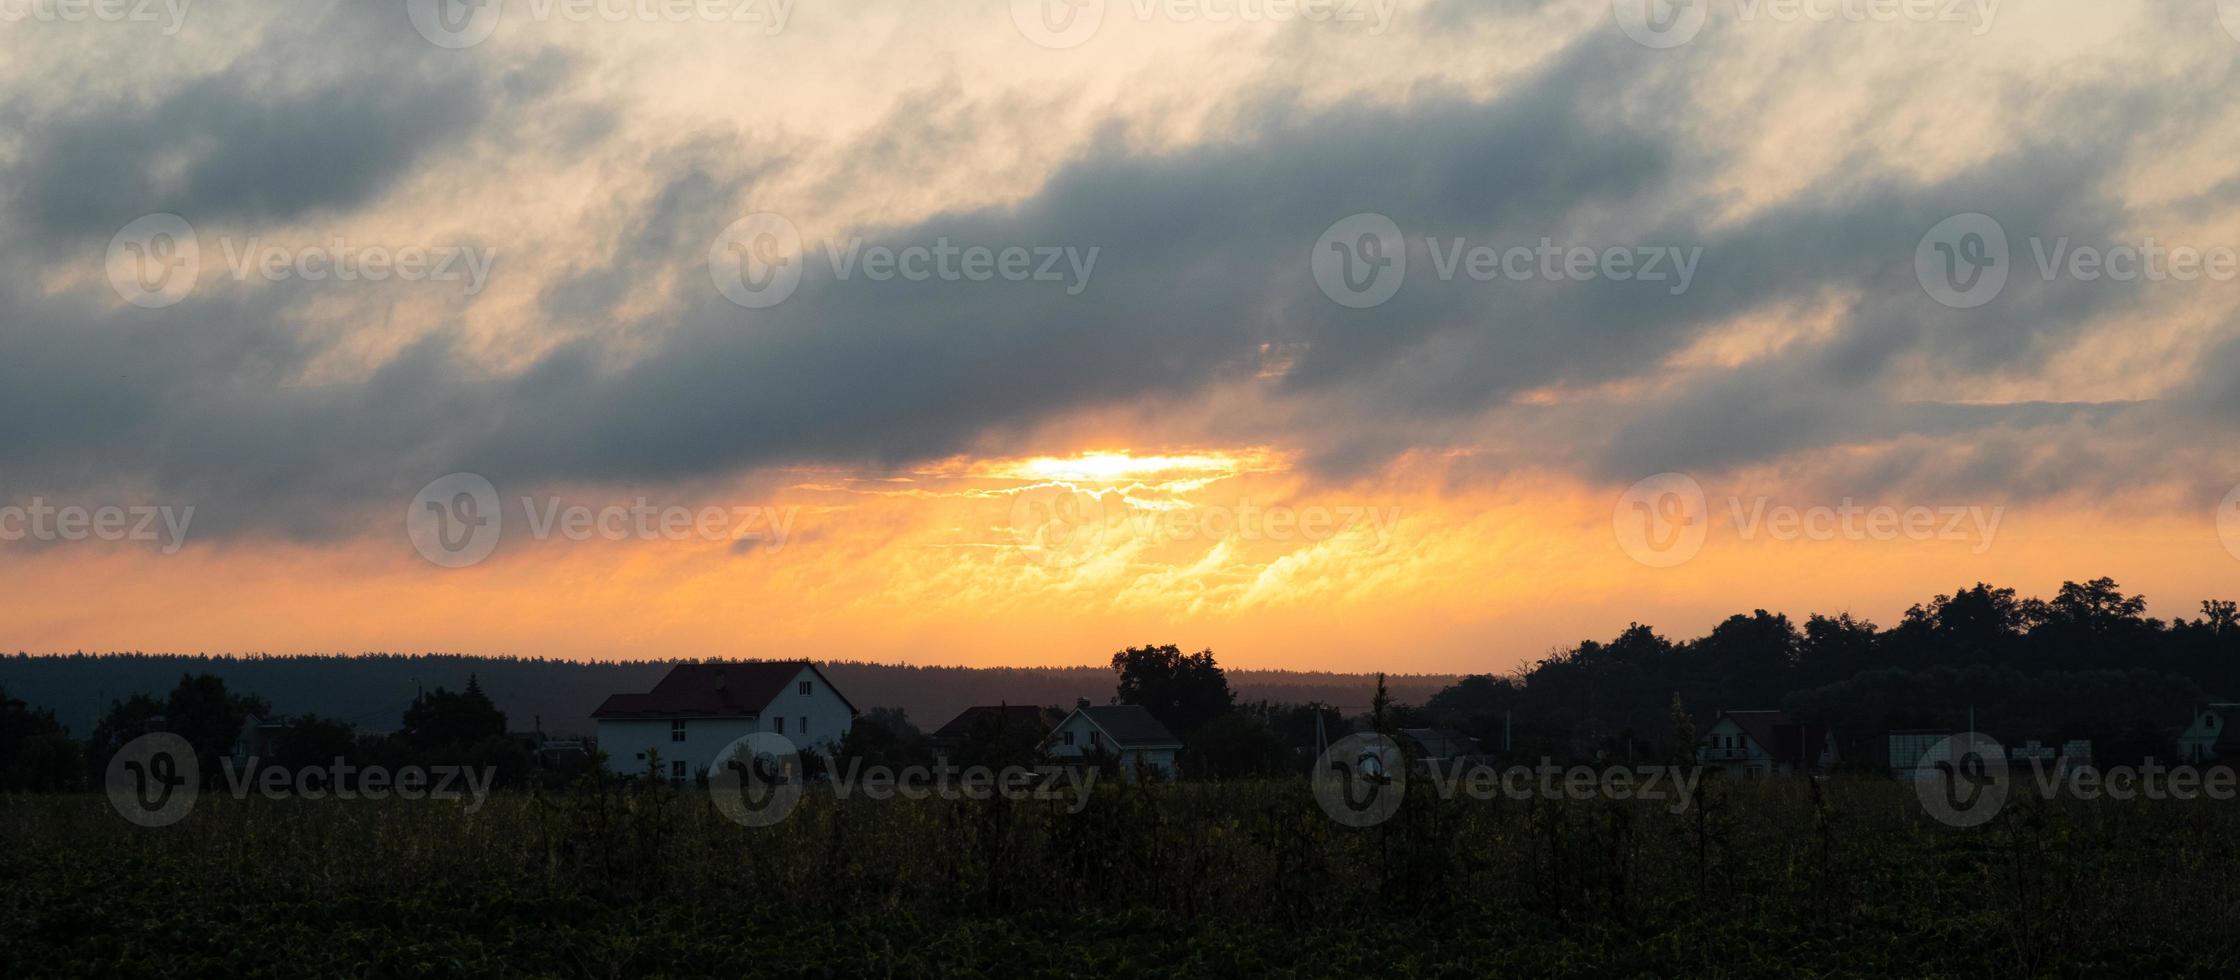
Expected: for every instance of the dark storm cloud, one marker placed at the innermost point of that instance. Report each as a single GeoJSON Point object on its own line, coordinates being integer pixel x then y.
{"type": "Point", "coordinates": [328, 110]}
{"type": "Point", "coordinates": [1202, 258]}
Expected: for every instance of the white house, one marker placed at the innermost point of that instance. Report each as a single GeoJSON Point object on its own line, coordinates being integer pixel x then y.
{"type": "Point", "coordinates": [1761, 743]}
{"type": "Point", "coordinates": [2212, 723]}
{"type": "Point", "coordinates": [1126, 732]}
{"type": "Point", "coordinates": [699, 709]}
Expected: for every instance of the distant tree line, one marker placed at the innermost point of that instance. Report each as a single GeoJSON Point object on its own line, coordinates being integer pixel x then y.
{"type": "Point", "coordinates": [2087, 663]}
{"type": "Point", "coordinates": [438, 727]}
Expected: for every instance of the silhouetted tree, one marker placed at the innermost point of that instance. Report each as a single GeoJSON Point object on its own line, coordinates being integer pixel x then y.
{"type": "Point", "coordinates": [1184, 691]}
{"type": "Point", "coordinates": [36, 752]}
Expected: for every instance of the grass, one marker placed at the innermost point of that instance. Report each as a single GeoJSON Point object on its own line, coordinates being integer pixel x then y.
{"type": "Point", "coordinates": [1776, 878]}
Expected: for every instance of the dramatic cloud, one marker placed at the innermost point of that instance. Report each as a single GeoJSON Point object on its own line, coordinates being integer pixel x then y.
{"type": "Point", "coordinates": [1778, 177]}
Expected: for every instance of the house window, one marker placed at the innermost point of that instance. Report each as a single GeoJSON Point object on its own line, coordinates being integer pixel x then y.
{"type": "Point", "coordinates": [805, 688]}
{"type": "Point", "coordinates": [676, 770]}
{"type": "Point", "coordinates": [803, 728]}
{"type": "Point", "coordinates": [1096, 739]}
{"type": "Point", "coordinates": [676, 731]}
{"type": "Point", "coordinates": [2212, 719]}
{"type": "Point", "coordinates": [778, 724]}
{"type": "Point", "coordinates": [1069, 738]}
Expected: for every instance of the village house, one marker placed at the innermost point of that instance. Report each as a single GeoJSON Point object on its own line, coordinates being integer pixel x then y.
{"type": "Point", "coordinates": [675, 730]}
{"type": "Point", "coordinates": [1766, 743]}
{"type": "Point", "coordinates": [1439, 749]}
{"type": "Point", "coordinates": [1125, 732]}
{"type": "Point", "coordinates": [257, 738]}
{"type": "Point", "coordinates": [2210, 737]}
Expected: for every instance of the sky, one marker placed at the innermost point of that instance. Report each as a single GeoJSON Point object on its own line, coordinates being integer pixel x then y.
{"type": "Point", "coordinates": [1411, 335]}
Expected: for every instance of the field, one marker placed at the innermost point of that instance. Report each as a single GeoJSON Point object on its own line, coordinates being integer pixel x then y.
{"type": "Point", "coordinates": [1848, 878]}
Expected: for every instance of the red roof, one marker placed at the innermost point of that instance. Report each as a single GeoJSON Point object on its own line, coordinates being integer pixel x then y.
{"type": "Point", "coordinates": [1021, 715]}
{"type": "Point", "coordinates": [1783, 740]}
{"type": "Point", "coordinates": [723, 690]}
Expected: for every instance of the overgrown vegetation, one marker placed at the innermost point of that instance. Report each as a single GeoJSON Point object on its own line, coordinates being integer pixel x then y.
{"type": "Point", "coordinates": [1774, 878]}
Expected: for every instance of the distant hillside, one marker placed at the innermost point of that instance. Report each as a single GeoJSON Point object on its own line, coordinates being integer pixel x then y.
{"type": "Point", "coordinates": [372, 690]}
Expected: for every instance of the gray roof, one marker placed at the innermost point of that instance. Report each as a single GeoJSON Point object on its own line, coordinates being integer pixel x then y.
{"type": "Point", "coordinates": [1129, 724]}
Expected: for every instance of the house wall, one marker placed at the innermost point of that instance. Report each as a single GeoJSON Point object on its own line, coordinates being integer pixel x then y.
{"type": "Point", "coordinates": [1160, 761]}
{"type": "Point", "coordinates": [1726, 746]}
{"type": "Point", "coordinates": [626, 742]}
{"type": "Point", "coordinates": [1078, 726]}
{"type": "Point", "coordinates": [2199, 742]}
{"type": "Point", "coordinates": [1081, 728]}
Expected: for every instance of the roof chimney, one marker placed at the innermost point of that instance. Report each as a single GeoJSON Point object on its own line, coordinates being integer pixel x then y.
{"type": "Point", "coordinates": [1081, 702]}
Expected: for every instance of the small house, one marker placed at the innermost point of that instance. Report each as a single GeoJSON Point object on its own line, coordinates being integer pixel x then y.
{"type": "Point", "coordinates": [1766, 743]}
{"type": "Point", "coordinates": [1126, 733]}
{"type": "Point", "coordinates": [676, 730]}
{"type": "Point", "coordinates": [2210, 737]}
